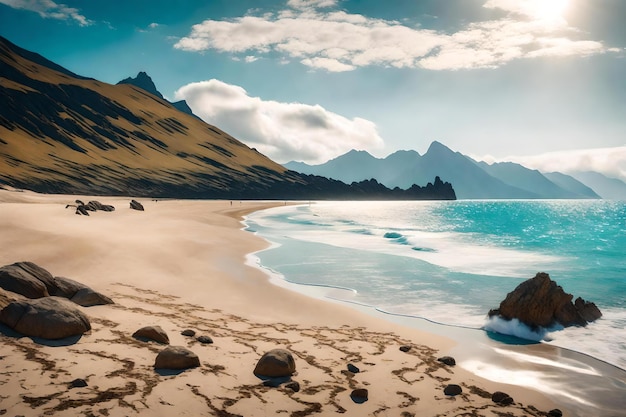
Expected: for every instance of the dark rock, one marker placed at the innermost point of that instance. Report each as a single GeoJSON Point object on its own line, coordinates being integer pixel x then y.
{"type": "Point", "coordinates": [359, 395]}
{"type": "Point", "coordinates": [79, 202]}
{"type": "Point", "coordinates": [555, 413]}
{"type": "Point", "coordinates": [155, 333]}
{"type": "Point", "coordinates": [25, 278]}
{"type": "Point", "coordinates": [353, 369]}
{"type": "Point", "coordinates": [502, 398]}
{"type": "Point", "coordinates": [87, 297]}
{"type": "Point", "coordinates": [7, 297]}
{"type": "Point", "coordinates": [78, 383]}
{"type": "Point", "coordinates": [587, 310]}
{"type": "Point", "coordinates": [176, 357]}
{"type": "Point", "coordinates": [275, 363]}
{"type": "Point", "coordinates": [293, 385]}
{"type": "Point", "coordinates": [452, 390]}
{"type": "Point", "coordinates": [77, 292]}
{"type": "Point", "coordinates": [96, 205]}
{"type": "Point", "coordinates": [188, 332]}
{"type": "Point", "coordinates": [405, 348]}
{"type": "Point", "coordinates": [33, 281]}
{"type": "Point", "coordinates": [48, 318]}
{"type": "Point", "coordinates": [274, 382]}
{"type": "Point", "coordinates": [82, 210]}
{"type": "Point", "coordinates": [448, 360]}
{"type": "Point", "coordinates": [136, 205]}
{"type": "Point", "coordinates": [540, 302]}
{"type": "Point", "coordinates": [205, 340]}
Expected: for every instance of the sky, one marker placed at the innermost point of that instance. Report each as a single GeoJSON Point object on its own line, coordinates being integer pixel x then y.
{"type": "Point", "coordinates": [541, 82]}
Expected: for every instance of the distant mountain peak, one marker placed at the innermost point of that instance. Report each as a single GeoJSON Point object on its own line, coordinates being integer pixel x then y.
{"type": "Point", "coordinates": [143, 81]}
{"type": "Point", "coordinates": [436, 146]}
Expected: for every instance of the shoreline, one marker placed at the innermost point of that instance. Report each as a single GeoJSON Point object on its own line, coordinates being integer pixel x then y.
{"type": "Point", "coordinates": [182, 263]}
{"type": "Point", "coordinates": [492, 349]}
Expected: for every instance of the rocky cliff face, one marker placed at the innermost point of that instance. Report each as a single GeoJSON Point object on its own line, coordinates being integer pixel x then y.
{"type": "Point", "coordinates": [540, 302]}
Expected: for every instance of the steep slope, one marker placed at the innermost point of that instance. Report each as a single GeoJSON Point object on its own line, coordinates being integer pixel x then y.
{"type": "Point", "coordinates": [609, 188]}
{"type": "Point", "coordinates": [62, 133]}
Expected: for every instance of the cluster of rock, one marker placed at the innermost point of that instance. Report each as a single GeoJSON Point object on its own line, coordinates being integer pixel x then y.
{"type": "Point", "coordinates": [84, 209]}
{"type": "Point", "coordinates": [35, 303]}
{"type": "Point", "coordinates": [94, 205]}
{"type": "Point", "coordinates": [540, 302]}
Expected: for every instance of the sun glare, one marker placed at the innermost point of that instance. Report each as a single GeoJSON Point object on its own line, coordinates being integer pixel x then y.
{"type": "Point", "coordinates": [549, 10]}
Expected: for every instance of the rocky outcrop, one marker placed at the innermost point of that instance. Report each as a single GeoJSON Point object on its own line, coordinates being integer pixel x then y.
{"type": "Point", "coordinates": [176, 357]}
{"type": "Point", "coordinates": [48, 318]}
{"type": "Point", "coordinates": [155, 333]}
{"type": "Point", "coordinates": [84, 209]}
{"type": "Point", "coordinates": [136, 205]}
{"type": "Point", "coordinates": [32, 281]}
{"type": "Point", "coordinates": [276, 363]}
{"type": "Point", "coordinates": [540, 302]}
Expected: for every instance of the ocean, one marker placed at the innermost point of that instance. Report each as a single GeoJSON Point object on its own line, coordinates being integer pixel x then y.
{"type": "Point", "coordinates": [449, 262]}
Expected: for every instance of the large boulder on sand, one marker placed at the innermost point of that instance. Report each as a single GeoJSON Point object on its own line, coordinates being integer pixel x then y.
{"type": "Point", "coordinates": [176, 357]}
{"type": "Point", "coordinates": [155, 333]}
{"type": "Point", "coordinates": [48, 318]}
{"type": "Point", "coordinates": [276, 363]}
{"type": "Point", "coordinates": [32, 281]}
{"type": "Point", "coordinates": [25, 278]}
{"type": "Point", "coordinates": [540, 302]}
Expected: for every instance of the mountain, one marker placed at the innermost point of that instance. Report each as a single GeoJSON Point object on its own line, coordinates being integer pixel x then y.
{"type": "Point", "coordinates": [609, 188]}
{"type": "Point", "coordinates": [143, 81]}
{"type": "Point", "coordinates": [571, 184]}
{"type": "Point", "coordinates": [63, 133]}
{"type": "Point", "coordinates": [553, 185]}
{"type": "Point", "coordinates": [407, 167]}
{"type": "Point", "coordinates": [471, 179]}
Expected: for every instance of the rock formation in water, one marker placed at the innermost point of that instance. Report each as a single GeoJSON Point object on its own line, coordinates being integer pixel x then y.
{"type": "Point", "coordinates": [540, 302]}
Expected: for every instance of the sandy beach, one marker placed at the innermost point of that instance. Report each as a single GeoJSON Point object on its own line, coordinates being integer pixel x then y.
{"type": "Point", "coordinates": [181, 265]}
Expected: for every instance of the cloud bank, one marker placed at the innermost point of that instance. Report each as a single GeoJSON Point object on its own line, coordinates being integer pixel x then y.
{"type": "Point", "coordinates": [282, 131]}
{"type": "Point", "coordinates": [608, 161]}
{"type": "Point", "coordinates": [319, 36]}
{"type": "Point", "coordinates": [49, 9]}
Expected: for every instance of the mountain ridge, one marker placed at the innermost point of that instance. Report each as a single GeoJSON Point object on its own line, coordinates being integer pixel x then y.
{"type": "Point", "coordinates": [471, 179]}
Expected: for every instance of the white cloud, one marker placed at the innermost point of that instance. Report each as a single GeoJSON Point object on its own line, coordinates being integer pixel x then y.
{"type": "Point", "coordinates": [251, 58]}
{"type": "Point", "coordinates": [608, 161]}
{"type": "Point", "coordinates": [153, 25]}
{"type": "Point", "coordinates": [282, 131]}
{"type": "Point", "coordinates": [339, 41]}
{"type": "Point", "coordinates": [309, 4]}
{"type": "Point", "coordinates": [50, 10]}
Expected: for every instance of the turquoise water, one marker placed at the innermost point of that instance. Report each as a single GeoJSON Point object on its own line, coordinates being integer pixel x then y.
{"type": "Point", "coordinates": [450, 262]}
